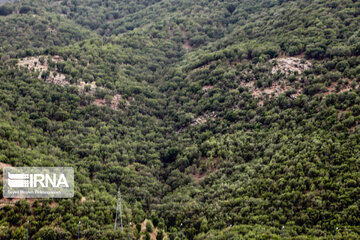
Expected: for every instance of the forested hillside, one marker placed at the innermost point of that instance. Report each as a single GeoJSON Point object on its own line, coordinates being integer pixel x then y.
{"type": "Point", "coordinates": [232, 118]}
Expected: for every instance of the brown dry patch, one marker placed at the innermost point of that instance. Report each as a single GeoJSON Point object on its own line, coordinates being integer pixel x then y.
{"type": "Point", "coordinates": [295, 95]}
{"type": "Point", "coordinates": [353, 128]}
{"type": "Point", "coordinates": [290, 65]}
{"type": "Point", "coordinates": [12, 201]}
{"type": "Point", "coordinates": [115, 101]}
{"type": "Point", "coordinates": [198, 176]}
{"type": "Point", "coordinates": [53, 205]}
{"type": "Point", "coordinates": [51, 30]}
{"type": "Point", "coordinates": [249, 85]}
{"type": "Point", "coordinates": [331, 88]}
{"type": "Point", "coordinates": [82, 85]}
{"type": "Point", "coordinates": [340, 114]}
{"type": "Point", "coordinates": [83, 199]}
{"type": "Point", "coordinates": [336, 88]}
{"type": "Point", "coordinates": [186, 45]}
{"type": "Point", "coordinates": [114, 104]}
{"type": "Point", "coordinates": [153, 234]}
{"type": "Point", "coordinates": [207, 88]}
{"type": "Point", "coordinates": [143, 229]}
{"type": "Point", "coordinates": [34, 64]}
{"type": "Point", "coordinates": [211, 166]}
{"type": "Point", "coordinates": [199, 120]}
{"type": "Point", "coordinates": [260, 103]}
{"type": "Point", "coordinates": [56, 78]}
{"type": "Point", "coordinates": [204, 118]}
{"type": "Point", "coordinates": [2, 165]}
{"type": "Point", "coordinates": [8, 201]}
{"type": "Point", "coordinates": [348, 87]}
{"type": "Point", "coordinates": [99, 102]}
{"type": "Point", "coordinates": [275, 90]}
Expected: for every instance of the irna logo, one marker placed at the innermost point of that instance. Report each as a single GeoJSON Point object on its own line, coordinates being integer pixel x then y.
{"type": "Point", "coordinates": [35, 180]}
{"type": "Point", "coordinates": [38, 182]}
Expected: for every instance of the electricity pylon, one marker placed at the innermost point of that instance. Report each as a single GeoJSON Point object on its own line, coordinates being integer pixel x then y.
{"type": "Point", "coordinates": [118, 210]}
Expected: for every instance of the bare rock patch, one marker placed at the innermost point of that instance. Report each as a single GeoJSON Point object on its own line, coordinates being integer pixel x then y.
{"type": "Point", "coordinates": [289, 65]}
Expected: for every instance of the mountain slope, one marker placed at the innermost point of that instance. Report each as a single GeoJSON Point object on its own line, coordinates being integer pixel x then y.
{"type": "Point", "coordinates": [206, 113]}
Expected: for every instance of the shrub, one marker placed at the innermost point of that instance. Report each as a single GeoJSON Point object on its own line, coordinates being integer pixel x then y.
{"type": "Point", "coordinates": [5, 10]}
{"type": "Point", "coordinates": [341, 66]}
{"type": "Point", "coordinates": [24, 9]}
{"type": "Point", "coordinates": [149, 227]}
{"type": "Point", "coordinates": [160, 235]}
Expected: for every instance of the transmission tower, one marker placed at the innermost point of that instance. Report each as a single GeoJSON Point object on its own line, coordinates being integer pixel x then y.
{"type": "Point", "coordinates": [118, 210]}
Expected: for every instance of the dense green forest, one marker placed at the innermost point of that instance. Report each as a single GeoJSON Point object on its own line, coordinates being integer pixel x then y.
{"type": "Point", "coordinates": [232, 118]}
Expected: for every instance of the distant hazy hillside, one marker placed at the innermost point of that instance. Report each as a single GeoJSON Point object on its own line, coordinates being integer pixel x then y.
{"type": "Point", "coordinates": [205, 113]}
{"type": "Point", "coordinates": [5, 1]}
